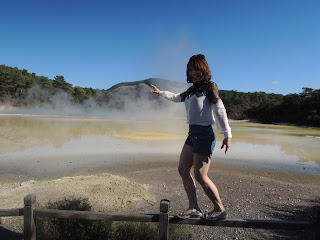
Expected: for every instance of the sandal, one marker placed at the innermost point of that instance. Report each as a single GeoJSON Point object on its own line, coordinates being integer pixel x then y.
{"type": "Point", "coordinates": [221, 216]}
{"type": "Point", "coordinates": [196, 214]}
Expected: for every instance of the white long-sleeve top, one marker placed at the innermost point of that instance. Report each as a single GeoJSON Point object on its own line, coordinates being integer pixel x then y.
{"type": "Point", "coordinates": [201, 111]}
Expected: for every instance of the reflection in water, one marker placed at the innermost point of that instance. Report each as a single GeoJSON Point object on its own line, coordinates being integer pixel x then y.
{"type": "Point", "coordinates": [299, 142]}
{"type": "Point", "coordinates": [150, 135]}
{"type": "Point", "coordinates": [268, 157]}
{"type": "Point", "coordinates": [21, 132]}
{"type": "Point", "coordinates": [25, 138]}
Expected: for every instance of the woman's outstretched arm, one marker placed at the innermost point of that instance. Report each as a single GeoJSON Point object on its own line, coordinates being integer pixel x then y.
{"type": "Point", "coordinates": [167, 95]}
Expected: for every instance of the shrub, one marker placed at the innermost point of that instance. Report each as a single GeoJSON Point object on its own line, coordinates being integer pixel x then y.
{"type": "Point", "coordinates": [134, 231]}
{"type": "Point", "coordinates": [53, 228]}
{"type": "Point", "coordinates": [70, 229]}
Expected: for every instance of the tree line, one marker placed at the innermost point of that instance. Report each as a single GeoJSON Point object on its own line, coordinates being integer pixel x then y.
{"type": "Point", "coordinates": [23, 89]}
{"type": "Point", "coordinates": [300, 109]}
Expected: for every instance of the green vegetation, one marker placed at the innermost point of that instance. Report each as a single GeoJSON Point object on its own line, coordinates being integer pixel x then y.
{"type": "Point", "coordinates": [51, 228]}
{"type": "Point", "coordinates": [239, 104]}
{"type": "Point", "coordinates": [301, 109]}
{"type": "Point", "coordinates": [22, 89]}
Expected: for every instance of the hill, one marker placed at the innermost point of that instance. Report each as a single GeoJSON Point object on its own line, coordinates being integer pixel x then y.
{"type": "Point", "coordinates": [159, 82]}
{"type": "Point", "coordinates": [136, 97]}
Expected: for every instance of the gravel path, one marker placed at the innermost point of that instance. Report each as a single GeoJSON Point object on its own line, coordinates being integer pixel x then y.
{"type": "Point", "coordinates": [245, 194]}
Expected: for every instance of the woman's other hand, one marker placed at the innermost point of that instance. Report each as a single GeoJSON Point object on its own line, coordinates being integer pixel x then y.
{"type": "Point", "coordinates": [155, 89]}
{"type": "Point", "coordinates": [227, 142]}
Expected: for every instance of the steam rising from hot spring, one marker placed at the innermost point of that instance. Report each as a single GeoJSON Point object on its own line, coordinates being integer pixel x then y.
{"type": "Point", "coordinates": [140, 106]}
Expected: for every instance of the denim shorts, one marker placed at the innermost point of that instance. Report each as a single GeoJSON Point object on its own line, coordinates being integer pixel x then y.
{"type": "Point", "coordinates": [201, 138]}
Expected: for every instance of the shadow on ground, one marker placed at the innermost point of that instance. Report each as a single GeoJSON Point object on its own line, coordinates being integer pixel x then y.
{"type": "Point", "coordinates": [6, 234]}
{"type": "Point", "coordinates": [296, 212]}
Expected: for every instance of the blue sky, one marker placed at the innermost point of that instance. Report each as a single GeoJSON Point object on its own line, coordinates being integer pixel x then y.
{"type": "Point", "coordinates": [257, 45]}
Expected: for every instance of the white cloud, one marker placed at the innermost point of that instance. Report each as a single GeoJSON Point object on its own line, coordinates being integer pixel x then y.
{"type": "Point", "coordinates": [275, 82]}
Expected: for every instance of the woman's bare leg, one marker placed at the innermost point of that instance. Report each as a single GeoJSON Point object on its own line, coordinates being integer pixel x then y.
{"type": "Point", "coordinates": [185, 165]}
{"type": "Point", "coordinates": [201, 165]}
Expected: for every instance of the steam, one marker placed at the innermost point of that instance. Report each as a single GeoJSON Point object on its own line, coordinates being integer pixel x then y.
{"type": "Point", "coordinates": [170, 57]}
{"type": "Point", "coordinates": [130, 102]}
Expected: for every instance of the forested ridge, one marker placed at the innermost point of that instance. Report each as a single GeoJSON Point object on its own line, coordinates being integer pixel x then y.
{"type": "Point", "coordinates": [20, 88]}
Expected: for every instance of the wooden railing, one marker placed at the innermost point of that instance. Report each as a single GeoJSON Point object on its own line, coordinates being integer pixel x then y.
{"type": "Point", "coordinates": [29, 212]}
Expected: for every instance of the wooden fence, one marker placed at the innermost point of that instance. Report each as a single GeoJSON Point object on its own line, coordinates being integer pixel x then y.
{"type": "Point", "coordinates": [29, 212]}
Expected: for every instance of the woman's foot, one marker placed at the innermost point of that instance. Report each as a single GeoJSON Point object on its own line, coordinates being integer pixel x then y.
{"type": "Point", "coordinates": [213, 216]}
{"type": "Point", "coordinates": [190, 213]}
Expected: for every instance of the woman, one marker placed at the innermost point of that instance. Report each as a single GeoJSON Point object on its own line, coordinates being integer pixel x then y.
{"type": "Point", "coordinates": [204, 107]}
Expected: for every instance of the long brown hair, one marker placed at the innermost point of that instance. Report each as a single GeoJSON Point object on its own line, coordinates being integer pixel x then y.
{"type": "Point", "coordinates": [199, 62]}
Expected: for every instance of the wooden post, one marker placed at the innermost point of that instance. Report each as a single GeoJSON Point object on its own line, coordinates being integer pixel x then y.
{"type": "Point", "coordinates": [164, 219]}
{"type": "Point", "coordinates": [29, 224]}
{"type": "Point", "coordinates": [316, 222]}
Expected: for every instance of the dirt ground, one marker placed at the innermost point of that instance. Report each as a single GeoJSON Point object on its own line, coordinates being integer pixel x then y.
{"type": "Point", "coordinates": [138, 188]}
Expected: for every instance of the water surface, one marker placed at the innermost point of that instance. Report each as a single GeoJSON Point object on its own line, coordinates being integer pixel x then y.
{"type": "Point", "coordinates": [47, 144]}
